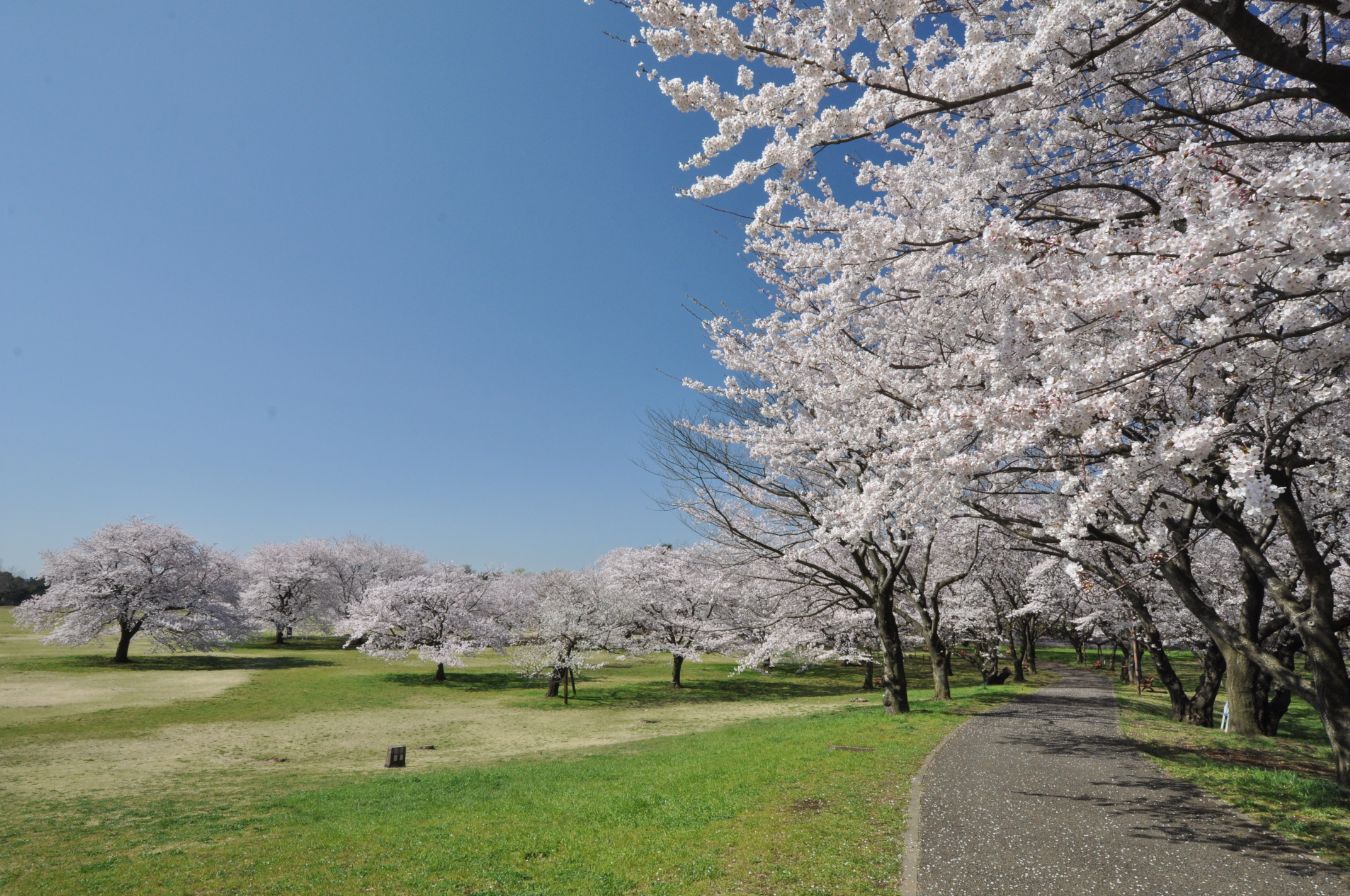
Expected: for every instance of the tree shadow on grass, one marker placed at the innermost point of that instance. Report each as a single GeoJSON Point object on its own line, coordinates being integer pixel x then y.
{"type": "Point", "coordinates": [466, 681]}
{"type": "Point", "coordinates": [296, 642]}
{"type": "Point", "coordinates": [169, 662]}
{"type": "Point", "coordinates": [1318, 784]}
{"type": "Point", "coordinates": [723, 690]}
{"type": "Point", "coordinates": [657, 692]}
{"type": "Point", "coordinates": [1154, 709]}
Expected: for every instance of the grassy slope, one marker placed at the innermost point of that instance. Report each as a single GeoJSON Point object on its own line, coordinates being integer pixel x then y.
{"type": "Point", "coordinates": [1285, 782]}
{"type": "Point", "coordinates": [521, 796]}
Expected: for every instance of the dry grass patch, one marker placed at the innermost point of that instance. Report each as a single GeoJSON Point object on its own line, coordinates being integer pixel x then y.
{"type": "Point", "coordinates": [27, 697]}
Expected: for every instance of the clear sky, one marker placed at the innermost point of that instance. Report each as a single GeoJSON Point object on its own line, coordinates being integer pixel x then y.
{"type": "Point", "coordinates": [408, 270]}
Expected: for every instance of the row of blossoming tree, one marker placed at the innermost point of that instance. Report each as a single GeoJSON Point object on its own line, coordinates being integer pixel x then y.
{"type": "Point", "coordinates": [1073, 269]}
{"type": "Point", "coordinates": [142, 578]}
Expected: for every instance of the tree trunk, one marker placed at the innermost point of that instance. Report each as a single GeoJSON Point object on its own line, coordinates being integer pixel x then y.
{"type": "Point", "coordinates": [942, 686]}
{"type": "Point", "coordinates": [555, 680]}
{"type": "Point", "coordinates": [440, 671]}
{"type": "Point", "coordinates": [1030, 648]}
{"type": "Point", "coordinates": [1078, 653]}
{"type": "Point", "coordinates": [896, 699]}
{"type": "Point", "coordinates": [1244, 714]}
{"type": "Point", "coordinates": [1176, 691]}
{"type": "Point", "coordinates": [1332, 687]}
{"type": "Point", "coordinates": [1311, 612]}
{"type": "Point", "coordinates": [869, 682]}
{"type": "Point", "coordinates": [1276, 706]}
{"type": "Point", "coordinates": [1017, 648]}
{"type": "Point", "coordinates": [1200, 709]}
{"type": "Point", "coordinates": [1148, 636]}
{"type": "Point", "coordinates": [124, 645]}
{"type": "Point", "coordinates": [939, 660]}
{"type": "Point", "coordinates": [281, 634]}
{"type": "Point", "coordinates": [675, 672]}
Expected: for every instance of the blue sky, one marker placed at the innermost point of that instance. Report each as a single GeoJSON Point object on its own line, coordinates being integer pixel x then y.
{"type": "Point", "coordinates": [413, 270]}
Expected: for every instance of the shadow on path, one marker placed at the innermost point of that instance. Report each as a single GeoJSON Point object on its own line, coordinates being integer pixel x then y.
{"type": "Point", "coordinates": [1044, 795]}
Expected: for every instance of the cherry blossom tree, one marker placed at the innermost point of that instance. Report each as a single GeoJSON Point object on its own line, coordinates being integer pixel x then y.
{"type": "Point", "coordinates": [769, 515]}
{"type": "Point", "coordinates": [444, 615]}
{"type": "Point", "coordinates": [804, 630]}
{"type": "Point", "coordinates": [1095, 251]}
{"type": "Point", "coordinates": [355, 564]}
{"type": "Point", "coordinates": [671, 596]}
{"type": "Point", "coordinates": [564, 617]}
{"type": "Point", "coordinates": [136, 578]}
{"type": "Point", "coordinates": [761, 478]}
{"type": "Point", "coordinates": [288, 585]}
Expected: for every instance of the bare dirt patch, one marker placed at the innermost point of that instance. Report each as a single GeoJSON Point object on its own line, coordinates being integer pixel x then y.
{"type": "Point", "coordinates": [27, 697]}
{"type": "Point", "coordinates": [464, 732]}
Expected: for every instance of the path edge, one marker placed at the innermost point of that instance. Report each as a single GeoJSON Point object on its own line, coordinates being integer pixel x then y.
{"type": "Point", "coordinates": [909, 861]}
{"type": "Point", "coordinates": [909, 874]}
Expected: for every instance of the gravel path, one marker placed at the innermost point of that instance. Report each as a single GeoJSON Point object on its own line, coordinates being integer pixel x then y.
{"type": "Point", "coordinates": [1043, 796]}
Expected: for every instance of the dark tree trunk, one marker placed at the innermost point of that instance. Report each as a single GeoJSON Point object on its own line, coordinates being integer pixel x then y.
{"type": "Point", "coordinates": [1271, 698]}
{"type": "Point", "coordinates": [1332, 688]}
{"type": "Point", "coordinates": [1148, 636]}
{"type": "Point", "coordinates": [676, 666]}
{"type": "Point", "coordinates": [124, 645]}
{"type": "Point", "coordinates": [1077, 644]}
{"type": "Point", "coordinates": [1031, 648]}
{"type": "Point", "coordinates": [1276, 706]}
{"type": "Point", "coordinates": [1176, 691]}
{"type": "Point", "coordinates": [1017, 648]}
{"type": "Point", "coordinates": [555, 680]}
{"type": "Point", "coordinates": [440, 671]}
{"type": "Point", "coordinates": [1200, 709]}
{"type": "Point", "coordinates": [896, 699]}
{"type": "Point", "coordinates": [941, 664]}
{"type": "Point", "coordinates": [281, 634]}
{"type": "Point", "coordinates": [869, 682]}
{"type": "Point", "coordinates": [1311, 612]}
{"type": "Point", "coordinates": [1247, 684]}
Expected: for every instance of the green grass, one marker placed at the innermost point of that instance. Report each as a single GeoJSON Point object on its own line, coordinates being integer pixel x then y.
{"type": "Point", "coordinates": [1286, 783]}
{"type": "Point", "coordinates": [730, 786]}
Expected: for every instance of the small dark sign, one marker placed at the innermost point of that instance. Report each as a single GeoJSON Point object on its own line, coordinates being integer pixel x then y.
{"type": "Point", "coordinates": [397, 758]}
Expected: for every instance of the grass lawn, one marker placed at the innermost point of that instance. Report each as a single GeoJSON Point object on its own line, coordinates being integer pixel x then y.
{"type": "Point", "coordinates": [1286, 783]}
{"type": "Point", "coordinates": [258, 771]}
